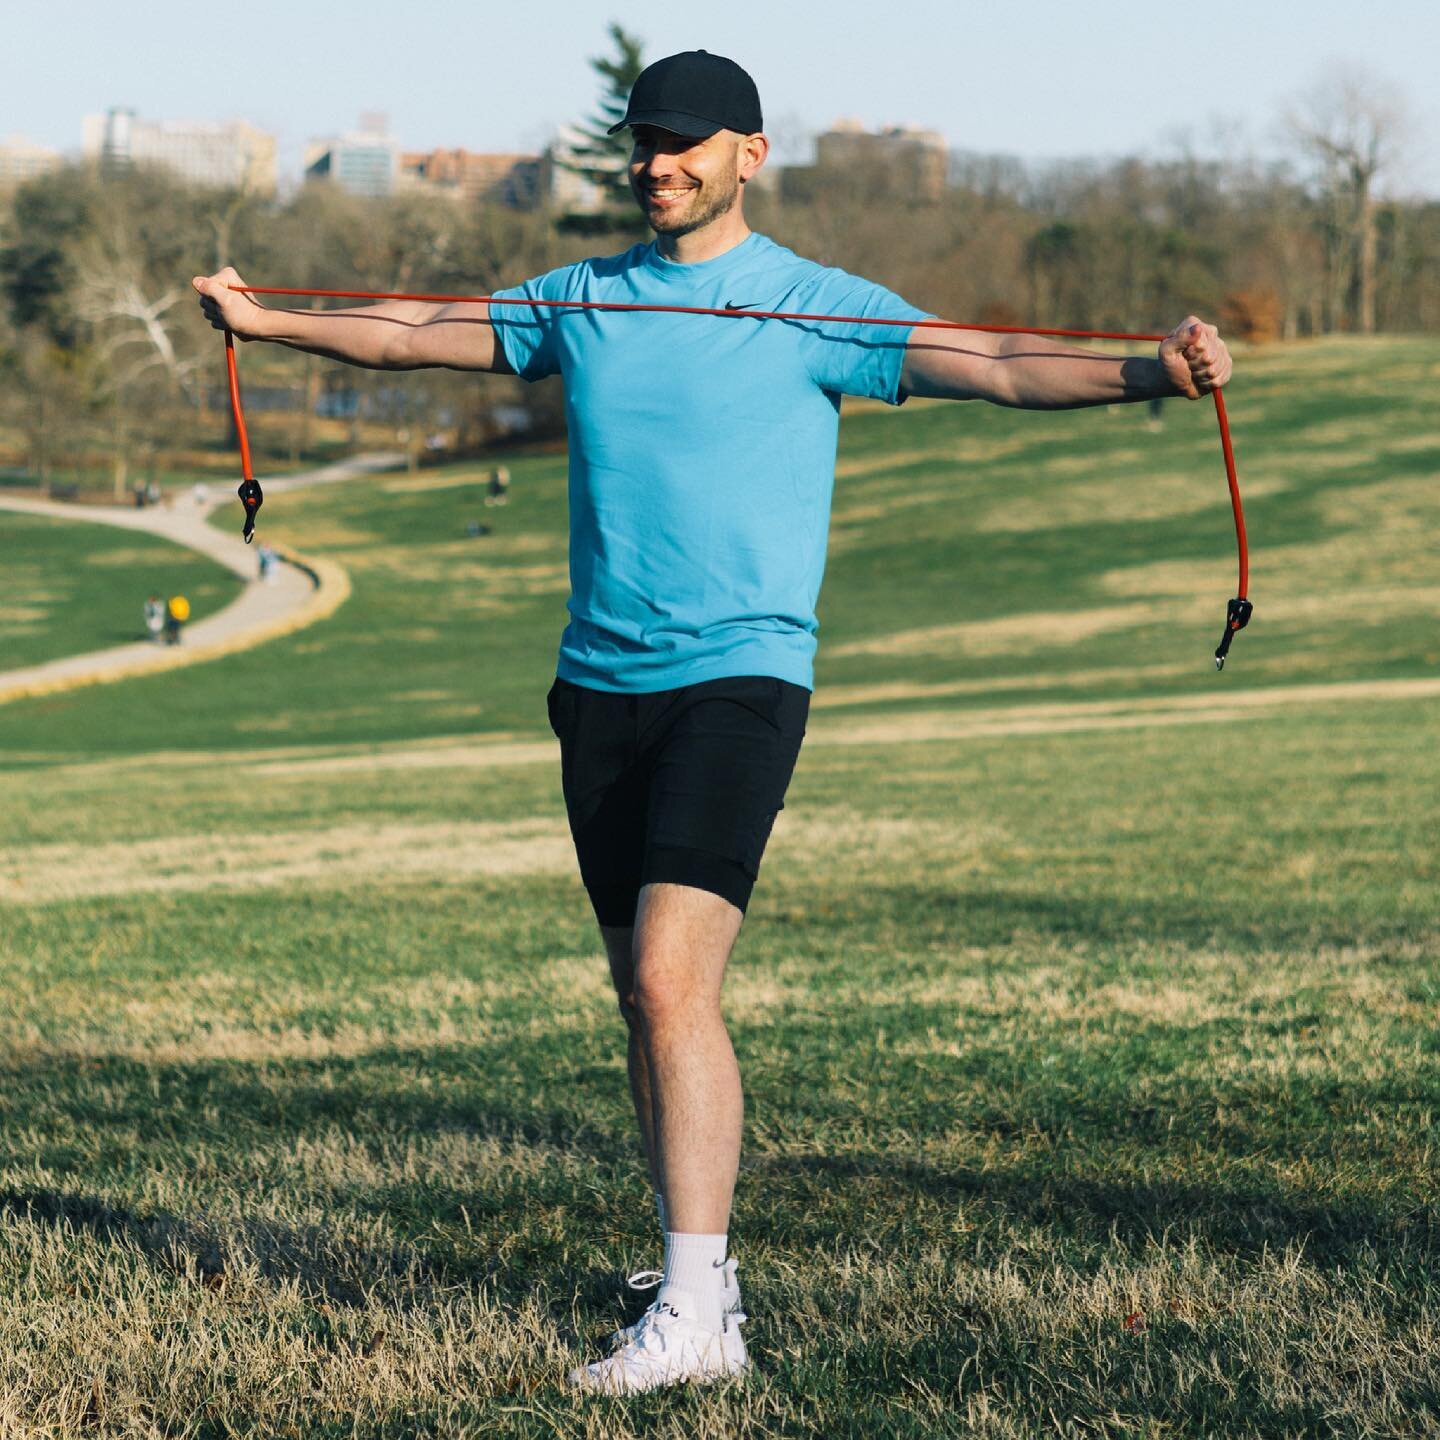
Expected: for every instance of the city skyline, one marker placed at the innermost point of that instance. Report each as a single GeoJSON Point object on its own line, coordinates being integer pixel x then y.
{"type": "Point", "coordinates": [505, 83]}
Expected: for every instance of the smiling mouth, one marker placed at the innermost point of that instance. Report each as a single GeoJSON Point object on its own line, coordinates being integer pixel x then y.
{"type": "Point", "coordinates": [669, 193]}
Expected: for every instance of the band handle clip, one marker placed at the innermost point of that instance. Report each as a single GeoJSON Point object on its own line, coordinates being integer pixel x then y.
{"type": "Point", "coordinates": [1237, 616]}
{"type": "Point", "coordinates": [252, 497]}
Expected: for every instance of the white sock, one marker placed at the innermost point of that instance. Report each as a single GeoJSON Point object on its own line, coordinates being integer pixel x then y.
{"type": "Point", "coordinates": [660, 1211]}
{"type": "Point", "coordinates": [695, 1270]}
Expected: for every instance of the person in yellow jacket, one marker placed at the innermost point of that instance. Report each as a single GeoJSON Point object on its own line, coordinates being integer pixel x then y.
{"type": "Point", "coordinates": [177, 612]}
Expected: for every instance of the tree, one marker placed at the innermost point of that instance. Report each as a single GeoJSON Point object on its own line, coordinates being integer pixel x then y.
{"type": "Point", "coordinates": [37, 266]}
{"type": "Point", "coordinates": [1350, 123]}
{"type": "Point", "coordinates": [602, 158]}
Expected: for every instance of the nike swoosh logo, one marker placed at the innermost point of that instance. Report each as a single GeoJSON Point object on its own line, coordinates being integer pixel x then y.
{"type": "Point", "coordinates": [750, 305]}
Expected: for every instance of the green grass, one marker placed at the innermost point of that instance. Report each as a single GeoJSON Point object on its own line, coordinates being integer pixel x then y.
{"type": "Point", "coordinates": [1092, 1074]}
{"type": "Point", "coordinates": [67, 588]}
{"type": "Point", "coordinates": [1074, 556]}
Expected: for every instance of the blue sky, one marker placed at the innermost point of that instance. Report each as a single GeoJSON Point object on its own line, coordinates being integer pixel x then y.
{"type": "Point", "coordinates": [1037, 79]}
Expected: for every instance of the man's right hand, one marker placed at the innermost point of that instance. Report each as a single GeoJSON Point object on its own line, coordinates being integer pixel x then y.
{"type": "Point", "coordinates": [224, 309]}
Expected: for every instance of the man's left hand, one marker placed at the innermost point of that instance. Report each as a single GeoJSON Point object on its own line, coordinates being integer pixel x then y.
{"type": "Point", "coordinates": [1196, 360]}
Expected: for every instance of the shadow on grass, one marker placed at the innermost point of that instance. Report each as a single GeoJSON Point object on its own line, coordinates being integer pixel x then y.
{"type": "Point", "coordinates": [385, 1093]}
{"type": "Point", "coordinates": [329, 1268]}
{"type": "Point", "coordinates": [578, 1159]}
{"type": "Point", "coordinates": [1244, 1218]}
{"type": "Point", "coordinates": [494, 1231]}
{"type": "Point", "coordinates": [916, 916]}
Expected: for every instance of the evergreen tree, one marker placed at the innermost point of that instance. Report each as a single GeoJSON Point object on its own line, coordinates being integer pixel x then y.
{"type": "Point", "coordinates": [600, 157]}
{"type": "Point", "coordinates": [48, 217]}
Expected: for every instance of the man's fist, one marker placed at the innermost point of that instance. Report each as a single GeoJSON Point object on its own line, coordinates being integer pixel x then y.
{"type": "Point", "coordinates": [1195, 358]}
{"type": "Point", "coordinates": [226, 310]}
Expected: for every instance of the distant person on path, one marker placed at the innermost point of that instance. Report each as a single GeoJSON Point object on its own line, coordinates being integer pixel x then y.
{"type": "Point", "coordinates": [155, 618]}
{"type": "Point", "coordinates": [177, 612]}
{"type": "Point", "coordinates": [702, 459]}
{"type": "Point", "coordinates": [266, 557]}
{"type": "Point", "coordinates": [498, 491]}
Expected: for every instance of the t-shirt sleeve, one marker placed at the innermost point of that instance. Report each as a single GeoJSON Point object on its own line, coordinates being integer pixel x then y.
{"type": "Point", "coordinates": [527, 333]}
{"type": "Point", "coordinates": [857, 359]}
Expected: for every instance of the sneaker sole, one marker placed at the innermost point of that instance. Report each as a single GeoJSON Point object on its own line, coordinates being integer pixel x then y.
{"type": "Point", "coordinates": [580, 1380]}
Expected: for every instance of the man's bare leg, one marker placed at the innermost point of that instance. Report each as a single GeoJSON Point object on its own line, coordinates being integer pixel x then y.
{"type": "Point", "coordinates": [683, 1072]}
{"type": "Point", "coordinates": [682, 943]}
{"type": "Point", "coordinates": [619, 946]}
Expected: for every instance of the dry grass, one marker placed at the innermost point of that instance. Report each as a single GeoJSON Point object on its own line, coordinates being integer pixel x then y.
{"type": "Point", "coordinates": [1078, 502]}
{"type": "Point", "coordinates": [256, 859]}
{"type": "Point", "coordinates": [1009, 634]}
{"type": "Point", "coordinates": [1090, 1062]}
{"type": "Point", "coordinates": [348, 855]}
{"type": "Point", "coordinates": [122, 557]}
{"type": "Point", "coordinates": [1070, 717]}
{"type": "Point", "coordinates": [833, 696]}
{"type": "Point", "coordinates": [427, 484]}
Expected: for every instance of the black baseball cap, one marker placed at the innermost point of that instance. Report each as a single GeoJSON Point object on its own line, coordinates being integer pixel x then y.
{"type": "Point", "coordinates": [694, 93]}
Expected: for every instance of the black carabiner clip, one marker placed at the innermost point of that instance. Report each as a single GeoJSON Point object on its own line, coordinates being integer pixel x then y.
{"type": "Point", "coordinates": [252, 497]}
{"type": "Point", "coordinates": [1237, 616]}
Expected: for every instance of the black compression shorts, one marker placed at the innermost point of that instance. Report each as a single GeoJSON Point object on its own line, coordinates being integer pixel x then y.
{"type": "Point", "coordinates": [678, 786]}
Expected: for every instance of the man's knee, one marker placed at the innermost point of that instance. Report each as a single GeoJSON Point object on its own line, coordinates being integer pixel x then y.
{"type": "Point", "coordinates": [629, 1007]}
{"type": "Point", "coordinates": [620, 948]}
{"type": "Point", "coordinates": [666, 994]}
{"type": "Point", "coordinates": [676, 963]}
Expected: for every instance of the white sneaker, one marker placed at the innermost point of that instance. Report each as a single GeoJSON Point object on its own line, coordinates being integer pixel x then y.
{"type": "Point", "coordinates": [666, 1348]}
{"type": "Point", "coordinates": [649, 1279]}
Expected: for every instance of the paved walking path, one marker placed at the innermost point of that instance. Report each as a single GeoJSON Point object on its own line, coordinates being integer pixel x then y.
{"type": "Point", "coordinates": [299, 592]}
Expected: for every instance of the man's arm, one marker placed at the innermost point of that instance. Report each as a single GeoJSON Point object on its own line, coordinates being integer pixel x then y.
{"type": "Point", "coordinates": [1032, 372]}
{"type": "Point", "coordinates": [394, 335]}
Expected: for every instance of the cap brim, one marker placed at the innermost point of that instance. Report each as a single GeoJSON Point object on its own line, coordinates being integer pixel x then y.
{"type": "Point", "coordinates": [675, 121]}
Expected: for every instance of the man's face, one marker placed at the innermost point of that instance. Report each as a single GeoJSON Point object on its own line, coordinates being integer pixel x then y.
{"type": "Point", "coordinates": [682, 183]}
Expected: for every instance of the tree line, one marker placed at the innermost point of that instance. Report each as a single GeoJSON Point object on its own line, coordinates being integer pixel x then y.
{"type": "Point", "coordinates": [107, 370]}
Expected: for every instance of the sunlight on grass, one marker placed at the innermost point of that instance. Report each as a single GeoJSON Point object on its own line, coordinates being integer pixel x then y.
{"type": "Point", "coordinates": [1086, 1005]}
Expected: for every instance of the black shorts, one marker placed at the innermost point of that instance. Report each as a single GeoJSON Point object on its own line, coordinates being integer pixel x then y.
{"type": "Point", "coordinates": [678, 786]}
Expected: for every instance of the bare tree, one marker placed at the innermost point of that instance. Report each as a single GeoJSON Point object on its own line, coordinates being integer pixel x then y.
{"type": "Point", "coordinates": [1351, 124]}
{"type": "Point", "coordinates": [136, 325]}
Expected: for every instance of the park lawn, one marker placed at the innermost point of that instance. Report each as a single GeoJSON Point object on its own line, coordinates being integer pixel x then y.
{"type": "Point", "coordinates": [1000, 556]}
{"type": "Point", "coordinates": [68, 587]}
{"type": "Point", "coordinates": [1091, 1058]}
{"type": "Point", "coordinates": [1070, 1101]}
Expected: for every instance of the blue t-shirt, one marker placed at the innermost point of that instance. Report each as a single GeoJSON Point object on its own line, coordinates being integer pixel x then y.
{"type": "Point", "coordinates": [702, 455]}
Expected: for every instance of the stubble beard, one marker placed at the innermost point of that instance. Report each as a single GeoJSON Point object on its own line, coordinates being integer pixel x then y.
{"type": "Point", "coordinates": [698, 214]}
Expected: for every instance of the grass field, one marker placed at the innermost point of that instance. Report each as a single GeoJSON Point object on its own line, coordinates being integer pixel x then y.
{"type": "Point", "coordinates": [66, 589]}
{"type": "Point", "coordinates": [1087, 1014]}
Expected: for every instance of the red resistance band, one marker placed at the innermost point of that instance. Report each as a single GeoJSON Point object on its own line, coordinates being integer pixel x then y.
{"type": "Point", "coordinates": [1238, 611]}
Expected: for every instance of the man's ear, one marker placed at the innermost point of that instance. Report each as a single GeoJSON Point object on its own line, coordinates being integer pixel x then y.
{"type": "Point", "coordinates": [752, 154]}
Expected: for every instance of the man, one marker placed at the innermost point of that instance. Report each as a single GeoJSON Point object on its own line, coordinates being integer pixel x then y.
{"type": "Point", "coordinates": [701, 465]}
